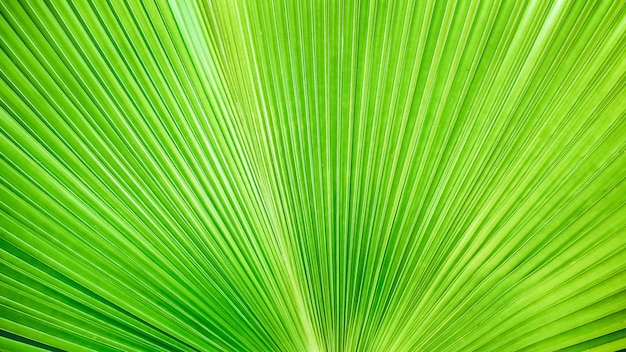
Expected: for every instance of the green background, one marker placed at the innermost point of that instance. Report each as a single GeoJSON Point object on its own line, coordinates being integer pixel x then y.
{"type": "Point", "coordinates": [260, 175]}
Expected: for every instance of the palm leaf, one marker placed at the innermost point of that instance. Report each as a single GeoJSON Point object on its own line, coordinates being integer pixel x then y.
{"type": "Point", "coordinates": [312, 175]}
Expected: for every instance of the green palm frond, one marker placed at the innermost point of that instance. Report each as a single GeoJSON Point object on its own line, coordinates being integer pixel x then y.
{"type": "Point", "coordinates": [249, 175]}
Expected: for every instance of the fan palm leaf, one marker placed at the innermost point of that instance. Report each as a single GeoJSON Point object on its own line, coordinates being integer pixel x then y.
{"type": "Point", "coordinates": [248, 175]}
